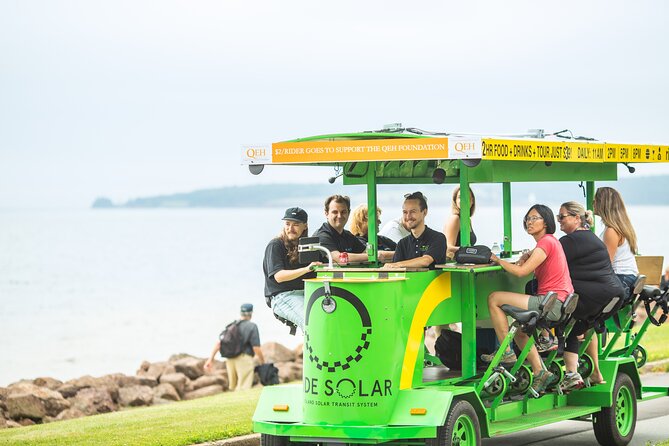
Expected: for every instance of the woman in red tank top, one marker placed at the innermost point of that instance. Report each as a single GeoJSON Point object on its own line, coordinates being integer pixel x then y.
{"type": "Point", "coordinates": [548, 263]}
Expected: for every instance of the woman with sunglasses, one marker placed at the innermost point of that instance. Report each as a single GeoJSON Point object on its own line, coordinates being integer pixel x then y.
{"type": "Point", "coordinates": [618, 235]}
{"type": "Point", "coordinates": [549, 265]}
{"type": "Point", "coordinates": [593, 279]}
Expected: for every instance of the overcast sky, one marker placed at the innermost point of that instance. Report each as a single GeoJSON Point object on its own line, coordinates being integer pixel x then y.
{"type": "Point", "coordinates": [134, 98]}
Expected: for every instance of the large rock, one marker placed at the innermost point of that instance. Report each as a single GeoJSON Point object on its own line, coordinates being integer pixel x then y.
{"type": "Point", "coordinates": [275, 352]}
{"type": "Point", "coordinates": [299, 352]}
{"type": "Point", "coordinates": [12, 423]}
{"type": "Point", "coordinates": [177, 380]}
{"type": "Point", "coordinates": [49, 383]}
{"type": "Point", "coordinates": [69, 414]}
{"type": "Point", "coordinates": [165, 391]}
{"type": "Point", "coordinates": [135, 396]}
{"type": "Point", "coordinates": [31, 401]}
{"type": "Point", "coordinates": [92, 401]}
{"type": "Point", "coordinates": [155, 370]}
{"type": "Point", "coordinates": [179, 356]}
{"type": "Point", "coordinates": [289, 371]}
{"type": "Point", "coordinates": [206, 381]}
{"type": "Point", "coordinates": [70, 388]}
{"type": "Point", "coordinates": [193, 368]}
{"type": "Point", "coordinates": [129, 381]}
{"type": "Point", "coordinates": [204, 391]}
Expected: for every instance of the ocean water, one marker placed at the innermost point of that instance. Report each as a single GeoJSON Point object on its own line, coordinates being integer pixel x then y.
{"type": "Point", "coordinates": [99, 291]}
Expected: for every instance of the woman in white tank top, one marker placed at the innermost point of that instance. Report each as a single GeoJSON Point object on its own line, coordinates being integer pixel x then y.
{"type": "Point", "coordinates": [618, 235]}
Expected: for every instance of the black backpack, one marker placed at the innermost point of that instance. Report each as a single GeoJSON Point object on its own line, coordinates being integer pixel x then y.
{"type": "Point", "coordinates": [268, 374]}
{"type": "Point", "coordinates": [231, 340]}
{"type": "Point", "coordinates": [448, 349]}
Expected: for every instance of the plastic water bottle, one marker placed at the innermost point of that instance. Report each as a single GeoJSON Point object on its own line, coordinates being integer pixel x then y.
{"type": "Point", "coordinates": [496, 249]}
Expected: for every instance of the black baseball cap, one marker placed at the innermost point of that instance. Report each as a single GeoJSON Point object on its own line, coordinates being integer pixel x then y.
{"type": "Point", "coordinates": [247, 308]}
{"type": "Point", "coordinates": [295, 214]}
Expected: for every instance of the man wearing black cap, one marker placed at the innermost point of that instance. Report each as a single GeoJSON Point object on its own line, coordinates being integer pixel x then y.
{"type": "Point", "coordinates": [284, 274]}
{"type": "Point", "coordinates": [240, 368]}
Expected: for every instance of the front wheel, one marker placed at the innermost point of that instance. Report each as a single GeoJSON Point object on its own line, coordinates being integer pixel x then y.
{"type": "Point", "coordinates": [614, 426]}
{"type": "Point", "coordinates": [461, 428]}
{"type": "Point", "coordinates": [273, 440]}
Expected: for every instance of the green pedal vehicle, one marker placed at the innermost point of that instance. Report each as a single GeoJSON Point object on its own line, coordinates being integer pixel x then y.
{"type": "Point", "coordinates": [367, 376]}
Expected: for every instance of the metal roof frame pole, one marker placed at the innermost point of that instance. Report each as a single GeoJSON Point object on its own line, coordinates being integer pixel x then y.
{"type": "Point", "coordinates": [508, 231]}
{"type": "Point", "coordinates": [370, 178]}
{"type": "Point", "coordinates": [467, 302]}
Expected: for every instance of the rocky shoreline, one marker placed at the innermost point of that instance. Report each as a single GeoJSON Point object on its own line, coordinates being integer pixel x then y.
{"type": "Point", "coordinates": [181, 377]}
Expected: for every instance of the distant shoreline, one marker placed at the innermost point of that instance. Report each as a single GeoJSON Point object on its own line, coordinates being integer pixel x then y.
{"type": "Point", "coordinates": [634, 190]}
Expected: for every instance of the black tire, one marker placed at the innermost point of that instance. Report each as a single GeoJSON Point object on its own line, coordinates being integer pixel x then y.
{"type": "Point", "coordinates": [614, 426]}
{"type": "Point", "coordinates": [273, 440]}
{"type": "Point", "coordinates": [461, 428]}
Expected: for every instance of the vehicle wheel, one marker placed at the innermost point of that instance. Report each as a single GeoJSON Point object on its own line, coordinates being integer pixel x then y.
{"type": "Point", "coordinates": [273, 440]}
{"type": "Point", "coordinates": [461, 427]}
{"type": "Point", "coordinates": [640, 356]}
{"type": "Point", "coordinates": [585, 366]}
{"type": "Point", "coordinates": [614, 426]}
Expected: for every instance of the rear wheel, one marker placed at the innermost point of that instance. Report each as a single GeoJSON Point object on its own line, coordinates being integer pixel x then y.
{"type": "Point", "coordinates": [614, 426]}
{"type": "Point", "coordinates": [461, 428]}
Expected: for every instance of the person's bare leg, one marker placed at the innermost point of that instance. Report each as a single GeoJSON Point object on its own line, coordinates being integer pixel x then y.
{"type": "Point", "coordinates": [497, 316]}
{"type": "Point", "coordinates": [570, 361]}
{"type": "Point", "coordinates": [593, 351]}
{"type": "Point", "coordinates": [533, 355]}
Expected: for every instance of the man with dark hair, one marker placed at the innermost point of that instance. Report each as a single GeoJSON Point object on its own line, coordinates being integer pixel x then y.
{"type": "Point", "coordinates": [240, 368]}
{"type": "Point", "coordinates": [284, 274]}
{"type": "Point", "coordinates": [332, 234]}
{"type": "Point", "coordinates": [424, 247]}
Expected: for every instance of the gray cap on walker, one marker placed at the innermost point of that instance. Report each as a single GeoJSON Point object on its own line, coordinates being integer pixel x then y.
{"type": "Point", "coordinates": [246, 308]}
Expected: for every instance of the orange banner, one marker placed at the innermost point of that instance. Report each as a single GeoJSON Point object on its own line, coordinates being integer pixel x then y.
{"type": "Point", "coordinates": [360, 150]}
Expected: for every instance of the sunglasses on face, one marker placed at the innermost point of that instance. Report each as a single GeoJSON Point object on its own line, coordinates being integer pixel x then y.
{"type": "Point", "coordinates": [561, 217]}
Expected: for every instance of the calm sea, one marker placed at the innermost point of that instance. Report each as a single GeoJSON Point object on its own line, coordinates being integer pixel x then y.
{"type": "Point", "coordinates": [99, 291]}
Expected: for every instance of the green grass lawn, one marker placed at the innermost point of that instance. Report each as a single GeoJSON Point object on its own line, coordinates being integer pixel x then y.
{"type": "Point", "coordinates": [654, 341]}
{"type": "Point", "coordinates": [197, 421]}
{"type": "Point", "coordinates": [207, 419]}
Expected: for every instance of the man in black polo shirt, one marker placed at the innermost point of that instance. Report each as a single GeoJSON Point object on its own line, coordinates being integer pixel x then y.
{"type": "Point", "coordinates": [424, 247]}
{"type": "Point", "coordinates": [335, 238]}
{"type": "Point", "coordinates": [332, 234]}
{"type": "Point", "coordinates": [284, 274]}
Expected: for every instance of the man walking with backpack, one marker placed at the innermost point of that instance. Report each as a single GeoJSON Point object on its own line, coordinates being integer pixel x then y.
{"type": "Point", "coordinates": [238, 343]}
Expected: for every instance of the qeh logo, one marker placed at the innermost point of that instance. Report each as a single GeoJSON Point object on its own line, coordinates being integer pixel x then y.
{"type": "Point", "coordinates": [464, 148]}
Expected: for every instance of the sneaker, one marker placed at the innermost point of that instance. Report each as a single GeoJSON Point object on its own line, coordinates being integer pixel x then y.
{"type": "Point", "coordinates": [509, 357]}
{"type": "Point", "coordinates": [572, 381]}
{"type": "Point", "coordinates": [543, 380]}
{"type": "Point", "coordinates": [546, 344]}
